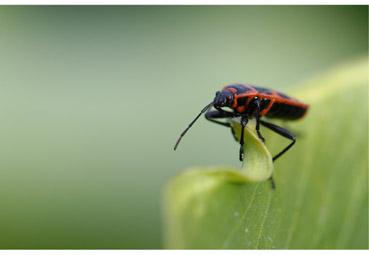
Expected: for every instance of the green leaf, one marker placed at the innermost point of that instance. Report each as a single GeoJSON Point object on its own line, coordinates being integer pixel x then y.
{"type": "Point", "coordinates": [321, 199]}
{"type": "Point", "coordinates": [258, 163]}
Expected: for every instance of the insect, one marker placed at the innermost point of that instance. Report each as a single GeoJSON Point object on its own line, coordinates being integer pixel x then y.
{"type": "Point", "coordinates": [248, 101]}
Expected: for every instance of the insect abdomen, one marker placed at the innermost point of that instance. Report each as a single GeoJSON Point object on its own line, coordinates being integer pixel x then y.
{"type": "Point", "coordinates": [286, 111]}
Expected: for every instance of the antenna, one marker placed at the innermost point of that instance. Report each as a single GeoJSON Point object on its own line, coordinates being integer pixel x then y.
{"type": "Point", "coordinates": [190, 125]}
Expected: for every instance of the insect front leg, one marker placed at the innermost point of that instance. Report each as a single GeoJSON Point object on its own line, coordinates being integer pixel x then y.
{"type": "Point", "coordinates": [220, 114]}
{"type": "Point", "coordinates": [216, 114]}
{"type": "Point", "coordinates": [244, 121]}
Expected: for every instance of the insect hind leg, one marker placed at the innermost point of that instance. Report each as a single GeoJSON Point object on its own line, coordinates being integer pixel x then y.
{"type": "Point", "coordinates": [283, 132]}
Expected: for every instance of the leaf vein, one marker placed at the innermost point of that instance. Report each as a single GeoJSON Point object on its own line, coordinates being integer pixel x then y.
{"type": "Point", "coordinates": [242, 217]}
{"type": "Point", "coordinates": [264, 219]}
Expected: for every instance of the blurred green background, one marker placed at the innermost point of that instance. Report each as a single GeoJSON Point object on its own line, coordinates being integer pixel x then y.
{"type": "Point", "coordinates": [92, 100]}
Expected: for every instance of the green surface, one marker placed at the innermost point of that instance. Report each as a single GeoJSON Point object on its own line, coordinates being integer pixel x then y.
{"type": "Point", "coordinates": [321, 200]}
{"type": "Point", "coordinates": [92, 100]}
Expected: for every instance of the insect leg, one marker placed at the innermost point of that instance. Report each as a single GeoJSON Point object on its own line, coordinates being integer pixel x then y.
{"type": "Point", "coordinates": [244, 121]}
{"type": "Point", "coordinates": [283, 132]}
{"type": "Point", "coordinates": [257, 117]}
{"type": "Point", "coordinates": [213, 115]}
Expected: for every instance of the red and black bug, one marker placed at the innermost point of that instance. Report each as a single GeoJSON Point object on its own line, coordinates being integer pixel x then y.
{"type": "Point", "coordinates": [248, 101]}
